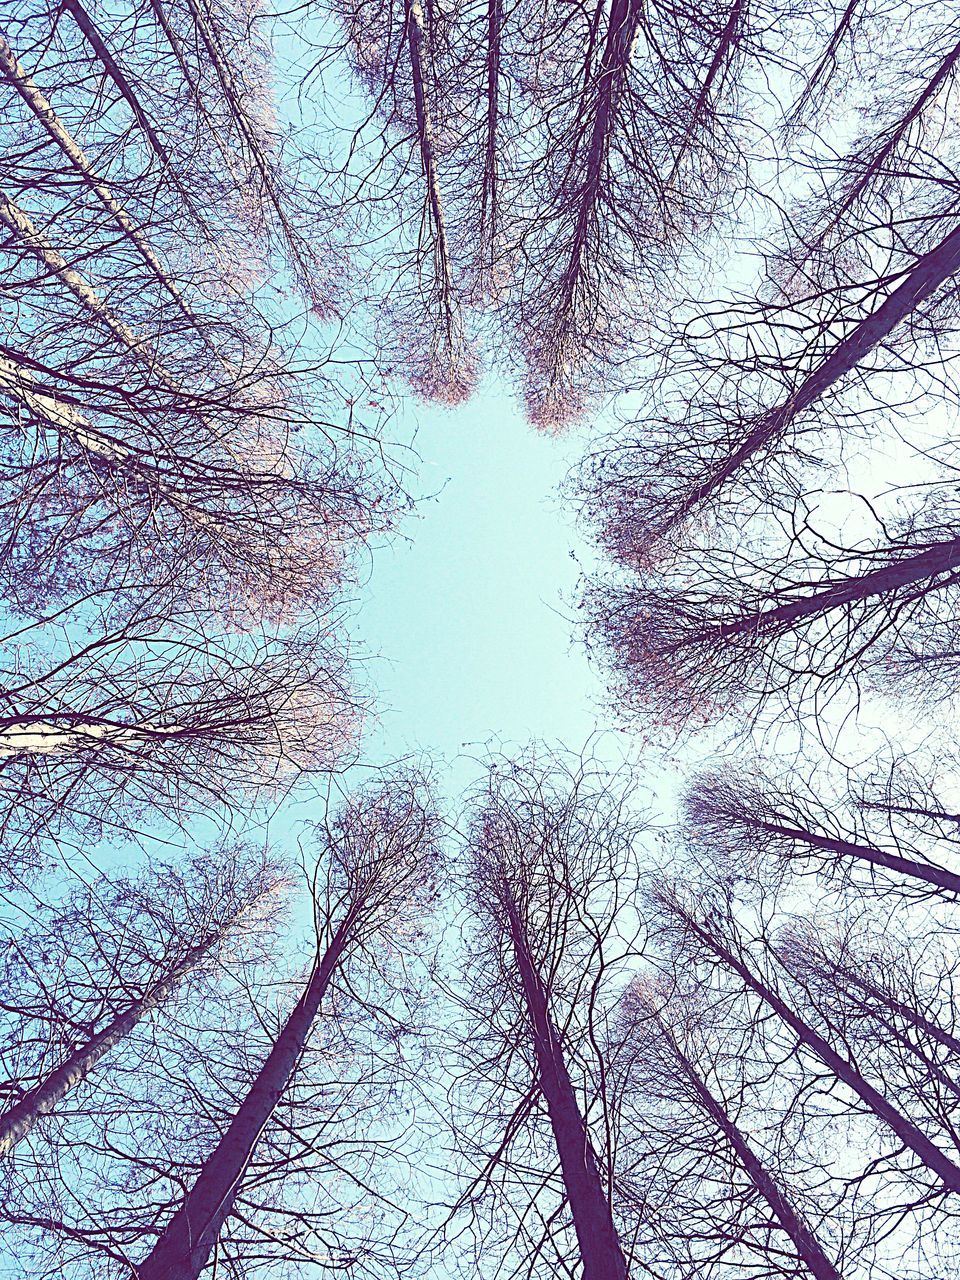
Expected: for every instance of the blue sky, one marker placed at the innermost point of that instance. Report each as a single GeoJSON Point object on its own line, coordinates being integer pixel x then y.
{"type": "Point", "coordinates": [471, 613]}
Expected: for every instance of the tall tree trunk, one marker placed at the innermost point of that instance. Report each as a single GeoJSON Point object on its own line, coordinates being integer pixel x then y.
{"type": "Point", "coordinates": [489, 228]}
{"type": "Point", "coordinates": [44, 112]}
{"type": "Point", "coordinates": [600, 1247]}
{"type": "Point", "coordinates": [930, 271]}
{"type": "Point", "coordinates": [725, 49]}
{"type": "Point", "coordinates": [805, 1241]}
{"type": "Point", "coordinates": [878, 159]}
{"type": "Point", "coordinates": [416, 43]}
{"type": "Point", "coordinates": [940, 558]}
{"type": "Point", "coordinates": [883, 997]}
{"type": "Point", "coordinates": [20, 1119]}
{"type": "Point", "coordinates": [934, 875]}
{"type": "Point", "coordinates": [73, 733]}
{"type": "Point", "coordinates": [614, 63]}
{"type": "Point", "coordinates": [907, 1132]}
{"type": "Point", "coordinates": [182, 1251]}
{"type": "Point", "coordinates": [20, 225]}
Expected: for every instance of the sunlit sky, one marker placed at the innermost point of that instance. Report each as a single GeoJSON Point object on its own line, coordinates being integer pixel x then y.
{"type": "Point", "coordinates": [471, 615]}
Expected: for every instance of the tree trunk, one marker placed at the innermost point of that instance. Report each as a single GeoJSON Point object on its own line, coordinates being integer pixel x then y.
{"type": "Point", "coordinates": [940, 558]}
{"type": "Point", "coordinates": [416, 36]}
{"type": "Point", "coordinates": [924, 278]}
{"type": "Point", "coordinates": [44, 112]}
{"type": "Point", "coordinates": [867, 853]}
{"type": "Point", "coordinates": [895, 136]}
{"type": "Point", "coordinates": [907, 1132]}
{"type": "Point", "coordinates": [614, 63]}
{"type": "Point", "coordinates": [182, 1251]}
{"type": "Point", "coordinates": [600, 1248]}
{"type": "Point", "coordinates": [18, 1121]}
{"type": "Point", "coordinates": [20, 225]}
{"type": "Point", "coordinates": [806, 1243]}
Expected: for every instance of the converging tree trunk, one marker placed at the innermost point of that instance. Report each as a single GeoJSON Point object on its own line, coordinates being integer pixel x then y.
{"type": "Point", "coordinates": [600, 1247]}
{"type": "Point", "coordinates": [946, 1170]}
{"type": "Point", "coordinates": [186, 1243]}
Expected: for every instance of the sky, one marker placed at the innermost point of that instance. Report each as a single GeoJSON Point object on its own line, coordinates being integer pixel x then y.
{"type": "Point", "coordinates": [469, 619]}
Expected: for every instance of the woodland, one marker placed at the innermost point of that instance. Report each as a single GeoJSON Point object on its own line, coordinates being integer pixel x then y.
{"type": "Point", "coordinates": [534, 1030]}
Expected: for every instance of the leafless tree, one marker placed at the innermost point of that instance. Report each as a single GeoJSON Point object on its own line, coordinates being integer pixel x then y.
{"type": "Point", "coordinates": [851, 313]}
{"type": "Point", "coordinates": [162, 425]}
{"type": "Point", "coordinates": [910, 1142]}
{"type": "Point", "coordinates": [549, 882]}
{"type": "Point", "coordinates": [635, 109]}
{"type": "Point", "coordinates": [754, 626]}
{"type": "Point", "coordinates": [84, 980]}
{"type": "Point", "coordinates": [264, 1146]}
{"type": "Point", "coordinates": [135, 722]}
{"type": "Point", "coordinates": [705, 1152]}
{"type": "Point", "coordinates": [862, 834]}
{"type": "Point", "coordinates": [397, 160]}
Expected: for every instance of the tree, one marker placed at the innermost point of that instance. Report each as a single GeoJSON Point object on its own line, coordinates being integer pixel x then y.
{"type": "Point", "coordinates": [850, 312]}
{"type": "Point", "coordinates": [549, 877]}
{"type": "Point", "coordinates": [710, 934]}
{"type": "Point", "coordinates": [754, 630]}
{"type": "Point", "coordinates": [691, 1098]}
{"type": "Point", "coordinates": [137, 722]}
{"type": "Point", "coordinates": [105, 961]}
{"type": "Point", "coordinates": [267, 1128]}
{"type": "Point", "coordinates": [161, 425]}
{"type": "Point", "coordinates": [865, 837]}
{"type": "Point", "coordinates": [402, 56]}
{"type": "Point", "coordinates": [635, 109]}
{"type": "Point", "coordinates": [380, 866]}
{"type": "Point", "coordinates": [895, 1002]}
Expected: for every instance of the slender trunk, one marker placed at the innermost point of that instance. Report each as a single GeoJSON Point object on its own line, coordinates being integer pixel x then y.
{"type": "Point", "coordinates": [725, 48]}
{"type": "Point", "coordinates": [20, 225]}
{"type": "Point", "coordinates": [233, 97]}
{"type": "Point", "coordinates": [490, 184]}
{"type": "Point", "coordinates": [614, 63]}
{"type": "Point", "coordinates": [924, 278]}
{"type": "Point", "coordinates": [416, 39]}
{"type": "Point", "coordinates": [805, 1241]}
{"type": "Point", "coordinates": [182, 1251]}
{"type": "Point", "coordinates": [825, 65]}
{"type": "Point", "coordinates": [19, 385]}
{"type": "Point", "coordinates": [44, 112]}
{"type": "Point", "coordinates": [879, 158]}
{"type": "Point", "coordinates": [73, 733]}
{"type": "Point", "coordinates": [919, 811]}
{"type": "Point", "coordinates": [19, 1120]}
{"type": "Point", "coordinates": [110, 65]}
{"type": "Point", "coordinates": [905, 1011]}
{"type": "Point", "coordinates": [866, 853]}
{"type": "Point", "coordinates": [940, 558]}
{"type": "Point", "coordinates": [600, 1248]}
{"type": "Point", "coordinates": [906, 1131]}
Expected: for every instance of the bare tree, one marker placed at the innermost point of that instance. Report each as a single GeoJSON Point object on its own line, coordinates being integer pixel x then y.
{"type": "Point", "coordinates": [397, 163]}
{"type": "Point", "coordinates": [549, 877]}
{"type": "Point", "coordinates": [742, 815]}
{"type": "Point", "coordinates": [635, 108]}
{"type": "Point", "coordinates": [893, 1001]}
{"type": "Point", "coordinates": [703, 1146]}
{"type": "Point", "coordinates": [136, 722]}
{"type": "Point", "coordinates": [709, 933]}
{"type": "Point", "coordinates": [159, 427]}
{"type": "Point", "coordinates": [752, 626]}
{"type": "Point", "coordinates": [851, 312]}
{"type": "Point", "coordinates": [99, 965]}
{"type": "Point", "coordinates": [376, 872]}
